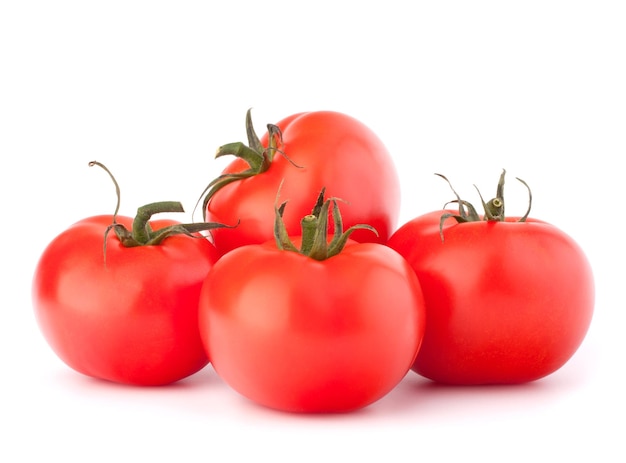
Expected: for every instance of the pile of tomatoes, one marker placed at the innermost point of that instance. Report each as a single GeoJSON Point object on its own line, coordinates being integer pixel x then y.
{"type": "Point", "coordinates": [302, 291]}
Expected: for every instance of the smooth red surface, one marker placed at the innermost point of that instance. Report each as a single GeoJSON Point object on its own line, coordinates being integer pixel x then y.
{"type": "Point", "coordinates": [132, 320]}
{"type": "Point", "coordinates": [506, 302]}
{"type": "Point", "coordinates": [301, 335]}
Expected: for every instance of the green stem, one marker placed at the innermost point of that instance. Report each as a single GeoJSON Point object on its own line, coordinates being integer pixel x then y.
{"type": "Point", "coordinates": [309, 229]}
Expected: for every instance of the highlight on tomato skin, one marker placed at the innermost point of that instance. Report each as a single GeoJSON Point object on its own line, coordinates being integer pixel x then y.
{"type": "Point", "coordinates": [304, 152]}
{"type": "Point", "coordinates": [301, 329]}
{"type": "Point", "coordinates": [508, 299]}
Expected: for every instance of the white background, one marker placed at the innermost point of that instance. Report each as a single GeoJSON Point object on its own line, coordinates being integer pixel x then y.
{"type": "Point", "coordinates": [462, 88]}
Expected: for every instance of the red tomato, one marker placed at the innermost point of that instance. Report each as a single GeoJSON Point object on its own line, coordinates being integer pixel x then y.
{"type": "Point", "coordinates": [506, 301]}
{"type": "Point", "coordinates": [317, 149]}
{"type": "Point", "coordinates": [132, 319]}
{"type": "Point", "coordinates": [331, 326]}
{"type": "Point", "coordinates": [301, 335]}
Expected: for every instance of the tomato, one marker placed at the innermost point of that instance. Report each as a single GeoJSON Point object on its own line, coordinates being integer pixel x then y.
{"type": "Point", "coordinates": [303, 334]}
{"type": "Point", "coordinates": [304, 152]}
{"type": "Point", "coordinates": [507, 301]}
{"type": "Point", "coordinates": [123, 314]}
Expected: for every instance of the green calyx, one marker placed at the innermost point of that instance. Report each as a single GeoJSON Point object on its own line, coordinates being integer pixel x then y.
{"type": "Point", "coordinates": [254, 153]}
{"type": "Point", "coordinates": [315, 226]}
{"type": "Point", "coordinates": [142, 233]}
{"type": "Point", "coordinates": [493, 209]}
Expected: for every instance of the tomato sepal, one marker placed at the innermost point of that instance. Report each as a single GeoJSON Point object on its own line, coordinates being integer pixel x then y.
{"type": "Point", "coordinates": [254, 154]}
{"type": "Point", "coordinates": [141, 233]}
{"type": "Point", "coordinates": [315, 226]}
{"type": "Point", "coordinates": [493, 210]}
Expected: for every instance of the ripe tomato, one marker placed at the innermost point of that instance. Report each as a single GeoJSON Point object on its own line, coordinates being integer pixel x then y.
{"type": "Point", "coordinates": [506, 301]}
{"type": "Point", "coordinates": [304, 152]}
{"type": "Point", "coordinates": [131, 318]}
{"type": "Point", "coordinates": [299, 334]}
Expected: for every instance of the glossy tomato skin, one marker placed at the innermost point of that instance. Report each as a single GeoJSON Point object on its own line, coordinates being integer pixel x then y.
{"type": "Point", "coordinates": [325, 149]}
{"type": "Point", "coordinates": [132, 320]}
{"type": "Point", "coordinates": [300, 335]}
{"type": "Point", "coordinates": [506, 302]}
